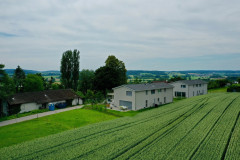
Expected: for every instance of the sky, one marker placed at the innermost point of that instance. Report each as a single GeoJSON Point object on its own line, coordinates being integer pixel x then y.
{"type": "Point", "coordinates": [145, 35]}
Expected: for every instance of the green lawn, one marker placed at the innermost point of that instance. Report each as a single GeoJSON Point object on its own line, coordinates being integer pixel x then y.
{"type": "Point", "coordinates": [217, 90]}
{"type": "Point", "coordinates": [32, 129]}
{"type": "Point", "coordinates": [100, 108]}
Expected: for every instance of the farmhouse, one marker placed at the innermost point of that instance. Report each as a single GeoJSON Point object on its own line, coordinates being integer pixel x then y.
{"type": "Point", "coordinates": [189, 88]}
{"type": "Point", "coordinates": [139, 96]}
{"type": "Point", "coordinates": [24, 102]}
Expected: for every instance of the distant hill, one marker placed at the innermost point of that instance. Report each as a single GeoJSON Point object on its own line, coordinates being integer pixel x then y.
{"type": "Point", "coordinates": [145, 73]}
{"type": "Point", "coordinates": [44, 73]}
{"type": "Point", "coordinates": [138, 72]}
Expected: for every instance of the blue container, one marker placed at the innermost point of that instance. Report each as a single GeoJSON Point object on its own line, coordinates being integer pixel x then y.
{"type": "Point", "coordinates": [51, 107]}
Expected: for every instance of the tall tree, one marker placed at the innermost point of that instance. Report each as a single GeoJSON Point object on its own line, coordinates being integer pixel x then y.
{"type": "Point", "coordinates": [111, 75]}
{"type": "Point", "coordinates": [86, 80]}
{"type": "Point", "coordinates": [118, 66]}
{"type": "Point", "coordinates": [18, 77]}
{"type": "Point", "coordinates": [7, 87]}
{"type": "Point", "coordinates": [75, 68]}
{"type": "Point", "coordinates": [70, 69]}
{"type": "Point", "coordinates": [32, 83]}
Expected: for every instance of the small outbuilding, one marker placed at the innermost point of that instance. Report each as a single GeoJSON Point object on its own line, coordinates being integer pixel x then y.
{"type": "Point", "coordinates": [28, 101]}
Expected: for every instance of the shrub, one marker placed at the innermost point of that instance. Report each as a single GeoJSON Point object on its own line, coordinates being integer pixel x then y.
{"type": "Point", "coordinates": [234, 88]}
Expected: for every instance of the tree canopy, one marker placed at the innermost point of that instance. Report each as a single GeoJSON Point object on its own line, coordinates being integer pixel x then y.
{"type": "Point", "coordinates": [18, 77]}
{"type": "Point", "coordinates": [111, 75]}
{"type": "Point", "coordinates": [70, 69]}
{"type": "Point", "coordinates": [32, 83]}
{"type": "Point", "coordinates": [86, 80]}
{"type": "Point", "coordinates": [7, 87]}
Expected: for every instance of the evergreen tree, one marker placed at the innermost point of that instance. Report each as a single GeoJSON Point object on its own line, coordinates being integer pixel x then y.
{"type": "Point", "coordinates": [18, 77]}
{"type": "Point", "coordinates": [7, 87]}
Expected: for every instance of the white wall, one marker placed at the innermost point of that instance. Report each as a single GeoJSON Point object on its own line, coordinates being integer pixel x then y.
{"type": "Point", "coordinates": [195, 91]}
{"type": "Point", "coordinates": [26, 107]}
{"type": "Point", "coordinates": [152, 99]}
{"type": "Point", "coordinates": [77, 101]}
{"type": "Point", "coordinates": [177, 88]}
{"type": "Point", "coordinates": [191, 90]}
{"type": "Point", "coordinates": [120, 94]}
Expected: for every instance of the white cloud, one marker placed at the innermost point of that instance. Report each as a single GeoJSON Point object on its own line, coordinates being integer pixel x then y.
{"type": "Point", "coordinates": [131, 30]}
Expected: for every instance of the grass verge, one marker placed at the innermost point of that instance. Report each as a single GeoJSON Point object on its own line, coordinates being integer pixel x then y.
{"type": "Point", "coordinates": [217, 90]}
{"type": "Point", "coordinates": [40, 127]}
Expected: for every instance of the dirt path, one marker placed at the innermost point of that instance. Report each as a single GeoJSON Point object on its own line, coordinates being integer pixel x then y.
{"type": "Point", "coordinates": [26, 118]}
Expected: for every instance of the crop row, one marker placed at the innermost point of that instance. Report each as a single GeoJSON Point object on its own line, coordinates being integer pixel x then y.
{"type": "Point", "coordinates": [172, 145]}
{"type": "Point", "coordinates": [80, 137]}
{"type": "Point", "coordinates": [186, 129]}
{"type": "Point", "coordinates": [215, 143]}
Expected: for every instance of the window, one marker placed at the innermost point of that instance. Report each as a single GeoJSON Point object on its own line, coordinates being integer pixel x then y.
{"type": "Point", "coordinates": [146, 103]}
{"type": "Point", "coordinates": [152, 91]}
{"type": "Point", "coordinates": [158, 99]}
{"type": "Point", "coordinates": [165, 89]}
{"type": "Point", "coordinates": [183, 86]}
{"type": "Point", "coordinates": [129, 93]}
{"type": "Point", "coordinates": [183, 94]}
{"type": "Point", "coordinates": [193, 93]}
{"type": "Point", "coordinates": [165, 99]}
{"type": "Point", "coordinates": [179, 94]}
{"type": "Point", "coordinates": [196, 85]}
{"type": "Point", "coordinates": [159, 90]}
{"type": "Point", "coordinates": [146, 92]}
{"type": "Point", "coordinates": [199, 85]}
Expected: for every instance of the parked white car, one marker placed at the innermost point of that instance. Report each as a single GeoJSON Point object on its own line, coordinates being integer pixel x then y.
{"type": "Point", "coordinates": [123, 107]}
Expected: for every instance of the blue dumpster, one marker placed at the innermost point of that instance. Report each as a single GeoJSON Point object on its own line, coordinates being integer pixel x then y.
{"type": "Point", "coordinates": [51, 107]}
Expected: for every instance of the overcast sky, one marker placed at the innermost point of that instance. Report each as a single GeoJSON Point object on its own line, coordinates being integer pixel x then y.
{"type": "Point", "coordinates": [146, 35]}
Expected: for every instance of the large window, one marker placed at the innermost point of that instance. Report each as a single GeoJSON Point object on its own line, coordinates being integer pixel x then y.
{"type": "Point", "coordinates": [129, 93]}
{"type": "Point", "coordinates": [180, 94]}
{"type": "Point", "coordinates": [159, 90]}
{"type": "Point", "coordinates": [146, 92]}
{"type": "Point", "coordinates": [165, 89]}
{"type": "Point", "coordinates": [200, 85]}
{"type": "Point", "coordinates": [152, 91]}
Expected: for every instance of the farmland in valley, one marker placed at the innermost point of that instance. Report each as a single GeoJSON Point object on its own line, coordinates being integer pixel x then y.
{"type": "Point", "coordinates": [203, 127]}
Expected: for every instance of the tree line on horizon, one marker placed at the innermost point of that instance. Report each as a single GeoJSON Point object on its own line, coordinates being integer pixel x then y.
{"type": "Point", "coordinates": [88, 84]}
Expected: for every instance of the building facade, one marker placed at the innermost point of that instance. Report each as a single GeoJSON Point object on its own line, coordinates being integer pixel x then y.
{"type": "Point", "coordinates": [189, 88]}
{"type": "Point", "coordinates": [139, 96]}
{"type": "Point", "coordinates": [28, 101]}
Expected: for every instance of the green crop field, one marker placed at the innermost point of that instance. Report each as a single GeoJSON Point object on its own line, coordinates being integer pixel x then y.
{"type": "Point", "coordinates": [202, 127]}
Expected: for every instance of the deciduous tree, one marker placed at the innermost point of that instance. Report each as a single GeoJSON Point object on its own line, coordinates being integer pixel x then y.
{"type": "Point", "coordinates": [32, 83]}
{"type": "Point", "coordinates": [70, 69]}
{"type": "Point", "coordinates": [86, 80]}
{"type": "Point", "coordinates": [111, 75]}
